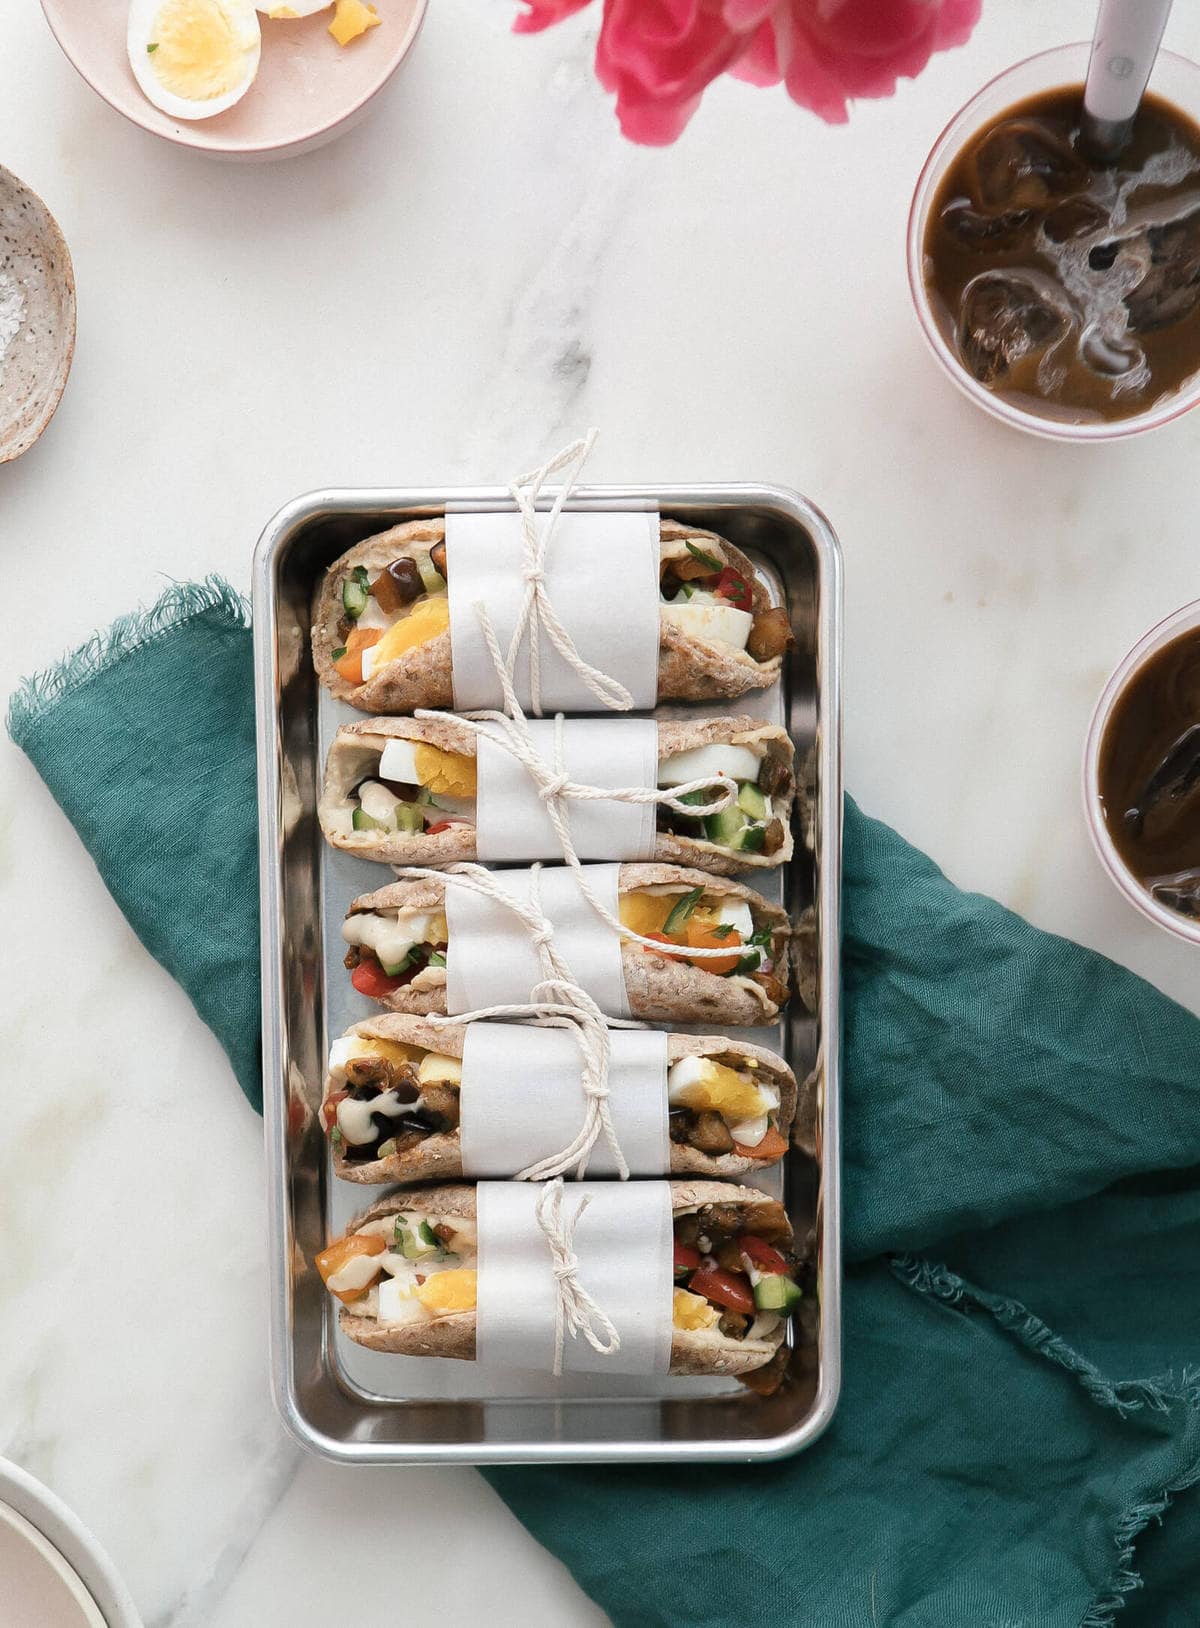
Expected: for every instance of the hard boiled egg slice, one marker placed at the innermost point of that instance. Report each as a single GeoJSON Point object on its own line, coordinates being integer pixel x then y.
{"type": "Point", "coordinates": [738, 762]}
{"type": "Point", "coordinates": [193, 58]}
{"type": "Point", "coordinates": [702, 1084]}
{"type": "Point", "coordinates": [292, 8]}
{"type": "Point", "coordinates": [720, 624]}
{"type": "Point", "coordinates": [398, 761]}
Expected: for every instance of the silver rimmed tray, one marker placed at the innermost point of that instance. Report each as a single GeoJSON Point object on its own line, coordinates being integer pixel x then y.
{"type": "Point", "coordinates": [363, 1407]}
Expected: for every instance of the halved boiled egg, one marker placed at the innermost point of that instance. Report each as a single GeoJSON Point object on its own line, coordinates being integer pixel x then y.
{"type": "Point", "coordinates": [193, 58]}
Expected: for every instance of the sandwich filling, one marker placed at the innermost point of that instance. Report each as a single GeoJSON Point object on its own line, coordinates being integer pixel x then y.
{"type": "Point", "coordinates": [735, 1272]}
{"type": "Point", "coordinates": [693, 919]}
{"type": "Point", "coordinates": [411, 787]}
{"type": "Point", "coordinates": [385, 1096]}
{"type": "Point", "coordinates": [406, 604]}
{"type": "Point", "coordinates": [703, 596]}
{"type": "Point", "coordinates": [405, 1268]}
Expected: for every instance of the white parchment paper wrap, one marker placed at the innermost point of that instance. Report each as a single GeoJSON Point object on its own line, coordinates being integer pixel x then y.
{"type": "Point", "coordinates": [521, 1099]}
{"type": "Point", "coordinates": [511, 821]}
{"type": "Point", "coordinates": [491, 959]}
{"type": "Point", "coordinates": [601, 575]}
{"type": "Point", "coordinates": [623, 1242]}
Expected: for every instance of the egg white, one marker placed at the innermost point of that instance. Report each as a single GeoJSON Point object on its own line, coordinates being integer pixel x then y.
{"type": "Point", "coordinates": [143, 16]}
{"type": "Point", "coordinates": [297, 8]}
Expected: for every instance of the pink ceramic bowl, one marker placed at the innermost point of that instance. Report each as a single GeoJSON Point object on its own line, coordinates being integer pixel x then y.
{"type": "Point", "coordinates": [309, 89]}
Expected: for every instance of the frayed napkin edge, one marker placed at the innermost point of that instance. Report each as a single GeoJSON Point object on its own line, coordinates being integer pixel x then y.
{"type": "Point", "coordinates": [182, 601]}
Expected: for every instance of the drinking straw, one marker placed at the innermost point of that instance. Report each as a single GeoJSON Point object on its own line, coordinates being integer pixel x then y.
{"type": "Point", "coordinates": [1124, 46]}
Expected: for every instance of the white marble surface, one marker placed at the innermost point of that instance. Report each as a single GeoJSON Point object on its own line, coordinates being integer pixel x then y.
{"type": "Point", "coordinates": [450, 291]}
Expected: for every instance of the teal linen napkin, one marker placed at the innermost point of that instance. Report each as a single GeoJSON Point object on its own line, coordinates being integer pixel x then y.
{"type": "Point", "coordinates": [1018, 1442]}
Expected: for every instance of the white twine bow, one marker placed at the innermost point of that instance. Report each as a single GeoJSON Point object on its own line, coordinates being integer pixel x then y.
{"type": "Point", "coordinates": [575, 1312]}
{"type": "Point", "coordinates": [558, 1001]}
{"type": "Point", "coordinates": [536, 609]}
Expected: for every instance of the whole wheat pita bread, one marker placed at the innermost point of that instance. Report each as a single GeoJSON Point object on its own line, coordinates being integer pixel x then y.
{"type": "Point", "coordinates": [693, 1351]}
{"type": "Point", "coordinates": [659, 989]}
{"type": "Point", "coordinates": [351, 760]}
{"type": "Point", "coordinates": [439, 1156]}
{"type": "Point", "coordinates": [689, 669]}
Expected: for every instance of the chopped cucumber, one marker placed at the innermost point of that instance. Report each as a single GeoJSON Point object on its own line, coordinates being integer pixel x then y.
{"type": "Point", "coordinates": [356, 590]}
{"type": "Point", "coordinates": [412, 1246]}
{"type": "Point", "coordinates": [386, 1149]}
{"type": "Point", "coordinates": [408, 817]}
{"type": "Point", "coordinates": [776, 1293]}
{"type": "Point", "coordinates": [399, 967]}
{"type": "Point", "coordinates": [751, 801]}
{"type": "Point", "coordinates": [698, 800]}
{"type": "Point", "coordinates": [750, 839]}
{"type": "Point", "coordinates": [360, 820]}
{"type": "Point", "coordinates": [682, 909]}
{"type": "Point", "coordinates": [436, 959]}
{"type": "Point", "coordinates": [425, 797]}
{"type": "Point", "coordinates": [432, 579]}
{"type": "Point", "coordinates": [428, 1235]}
{"type": "Point", "coordinates": [724, 827]}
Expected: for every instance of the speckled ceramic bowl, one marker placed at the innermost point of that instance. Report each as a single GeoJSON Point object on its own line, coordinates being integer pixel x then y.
{"type": "Point", "coordinates": [37, 316]}
{"type": "Point", "coordinates": [308, 90]}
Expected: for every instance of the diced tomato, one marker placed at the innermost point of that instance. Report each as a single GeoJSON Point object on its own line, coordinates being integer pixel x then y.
{"type": "Point", "coordinates": [442, 825]}
{"type": "Point", "coordinates": [329, 1110]}
{"type": "Point", "coordinates": [700, 937]}
{"type": "Point", "coordinates": [772, 1146]}
{"type": "Point", "coordinates": [671, 943]}
{"type": "Point", "coordinates": [764, 1257]}
{"type": "Point", "coordinates": [732, 585]}
{"type": "Point", "coordinates": [331, 1260]}
{"type": "Point", "coordinates": [729, 1289]}
{"type": "Point", "coordinates": [369, 978]}
{"type": "Point", "coordinates": [349, 666]}
{"type": "Point", "coordinates": [686, 1260]}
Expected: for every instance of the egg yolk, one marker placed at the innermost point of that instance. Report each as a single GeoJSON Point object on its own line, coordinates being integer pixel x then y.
{"type": "Point", "coordinates": [690, 1310]}
{"type": "Point", "coordinates": [199, 48]}
{"type": "Point", "coordinates": [425, 621]}
{"type": "Point", "coordinates": [447, 1292]}
{"type": "Point", "coordinates": [722, 1090]}
{"type": "Point", "coordinates": [351, 19]}
{"type": "Point", "coordinates": [451, 773]}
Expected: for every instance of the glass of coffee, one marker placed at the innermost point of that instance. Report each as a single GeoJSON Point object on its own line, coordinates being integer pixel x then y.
{"type": "Point", "coordinates": [1059, 292]}
{"type": "Point", "coordinates": [1141, 774]}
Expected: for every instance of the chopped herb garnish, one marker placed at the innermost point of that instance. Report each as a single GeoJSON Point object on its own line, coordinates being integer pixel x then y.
{"type": "Point", "coordinates": [682, 909]}
{"type": "Point", "coordinates": [360, 576]}
{"type": "Point", "coordinates": [724, 930]}
{"type": "Point", "coordinates": [705, 559]}
{"type": "Point", "coordinates": [336, 1137]}
{"type": "Point", "coordinates": [151, 48]}
{"type": "Point", "coordinates": [338, 654]}
{"type": "Point", "coordinates": [428, 1235]}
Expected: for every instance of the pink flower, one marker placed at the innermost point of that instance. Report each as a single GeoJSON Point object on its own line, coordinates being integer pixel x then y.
{"type": "Point", "coordinates": [658, 55]}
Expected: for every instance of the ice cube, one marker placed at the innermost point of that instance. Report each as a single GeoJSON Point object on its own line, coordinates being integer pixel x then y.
{"type": "Point", "coordinates": [1005, 315]}
{"type": "Point", "coordinates": [975, 230]}
{"type": "Point", "coordinates": [1169, 802]}
{"type": "Point", "coordinates": [1178, 892]}
{"type": "Point", "coordinates": [1020, 163]}
{"type": "Point", "coordinates": [1170, 287]}
{"type": "Point", "coordinates": [1076, 217]}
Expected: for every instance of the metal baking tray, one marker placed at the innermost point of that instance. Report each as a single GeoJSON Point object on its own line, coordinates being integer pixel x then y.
{"type": "Point", "coordinates": [364, 1407]}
